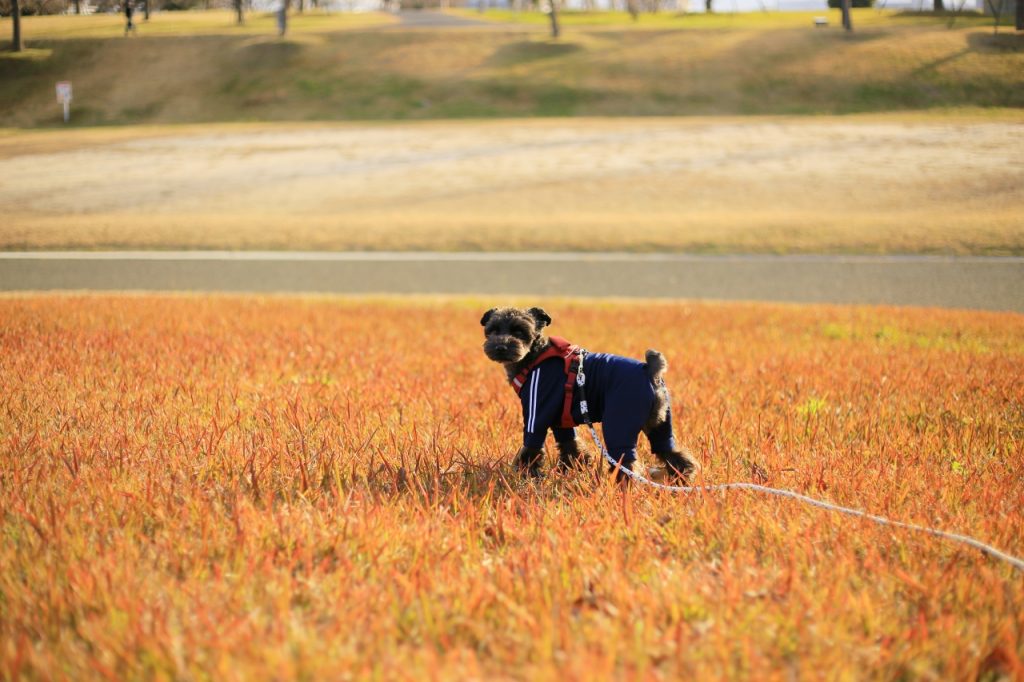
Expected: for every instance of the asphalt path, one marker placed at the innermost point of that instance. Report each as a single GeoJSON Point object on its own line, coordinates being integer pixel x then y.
{"type": "Point", "coordinates": [433, 19]}
{"type": "Point", "coordinates": [950, 282]}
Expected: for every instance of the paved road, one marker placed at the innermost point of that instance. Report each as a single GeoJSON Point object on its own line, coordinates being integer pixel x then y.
{"type": "Point", "coordinates": [980, 283]}
{"type": "Point", "coordinates": [433, 19]}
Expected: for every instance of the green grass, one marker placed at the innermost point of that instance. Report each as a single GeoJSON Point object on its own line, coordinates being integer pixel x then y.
{"type": "Point", "coordinates": [213, 22]}
{"type": "Point", "coordinates": [199, 67]}
{"type": "Point", "coordinates": [725, 20]}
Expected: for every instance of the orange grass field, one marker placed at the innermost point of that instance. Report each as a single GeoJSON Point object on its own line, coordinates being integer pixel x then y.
{"type": "Point", "coordinates": [319, 488]}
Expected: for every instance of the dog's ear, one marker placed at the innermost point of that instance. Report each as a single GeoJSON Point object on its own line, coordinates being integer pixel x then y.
{"type": "Point", "coordinates": [543, 319]}
{"type": "Point", "coordinates": [487, 316]}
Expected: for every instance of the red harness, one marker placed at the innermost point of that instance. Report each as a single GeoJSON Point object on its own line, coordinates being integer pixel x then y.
{"type": "Point", "coordinates": [572, 355]}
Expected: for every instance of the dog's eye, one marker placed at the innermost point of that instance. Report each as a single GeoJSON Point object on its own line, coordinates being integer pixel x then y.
{"type": "Point", "coordinates": [521, 332]}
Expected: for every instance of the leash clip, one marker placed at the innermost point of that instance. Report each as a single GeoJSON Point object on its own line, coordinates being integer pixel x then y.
{"type": "Point", "coordinates": [581, 377]}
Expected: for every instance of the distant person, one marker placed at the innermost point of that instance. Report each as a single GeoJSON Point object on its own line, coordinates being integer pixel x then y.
{"type": "Point", "coordinates": [129, 27]}
{"type": "Point", "coordinates": [282, 19]}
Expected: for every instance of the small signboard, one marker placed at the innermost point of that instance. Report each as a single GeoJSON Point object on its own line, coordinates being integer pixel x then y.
{"type": "Point", "coordinates": [64, 97]}
{"type": "Point", "coordinates": [64, 91]}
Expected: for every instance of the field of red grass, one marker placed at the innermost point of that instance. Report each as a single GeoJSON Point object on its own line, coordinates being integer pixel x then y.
{"type": "Point", "coordinates": [319, 488]}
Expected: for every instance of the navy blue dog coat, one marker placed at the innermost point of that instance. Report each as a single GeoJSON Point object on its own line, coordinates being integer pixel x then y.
{"type": "Point", "coordinates": [619, 394]}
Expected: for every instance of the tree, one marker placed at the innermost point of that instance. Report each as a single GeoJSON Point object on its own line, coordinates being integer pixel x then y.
{"type": "Point", "coordinates": [707, 7]}
{"type": "Point", "coordinates": [1019, 24]}
{"type": "Point", "coordinates": [847, 20]}
{"type": "Point", "coordinates": [238, 11]}
{"type": "Point", "coordinates": [553, 15]}
{"type": "Point", "coordinates": [16, 43]}
{"type": "Point", "coordinates": [996, 7]}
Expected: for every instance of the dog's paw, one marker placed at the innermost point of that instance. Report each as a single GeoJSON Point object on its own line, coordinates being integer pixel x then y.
{"type": "Point", "coordinates": [571, 457]}
{"type": "Point", "coordinates": [528, 462]}
{"type": "Point", "coordinates": [680, 466]}
{"type": "Point", "coordinates": [622, 472]}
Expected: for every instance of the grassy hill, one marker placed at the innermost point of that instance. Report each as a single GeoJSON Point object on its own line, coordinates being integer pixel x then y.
{"type": "Point", "coordinates": [199, 67]}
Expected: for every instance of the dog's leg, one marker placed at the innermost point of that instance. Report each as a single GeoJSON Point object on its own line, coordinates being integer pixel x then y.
{"type": "Point", "coordinates": [570, 457]}
{"type": "Point", "coordinates": [621, 477]}
{"type": "Point", "coordinates": [680, 465]}
{"type": "Point", "coordinates": [528, 461]}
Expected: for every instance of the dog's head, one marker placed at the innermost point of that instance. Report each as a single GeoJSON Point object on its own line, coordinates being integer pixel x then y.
{"type": "Point", "coordinates": [512, 334]}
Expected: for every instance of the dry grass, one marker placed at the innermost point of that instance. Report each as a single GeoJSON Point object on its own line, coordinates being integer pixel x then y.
{"type": "Point", "coordinates": [867, 184]}
{"type": "Point", "coordinates": [254, 488]}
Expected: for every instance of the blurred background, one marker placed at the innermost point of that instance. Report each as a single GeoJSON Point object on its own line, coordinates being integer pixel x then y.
{"type": "Point", "coordinates": [774, 128]}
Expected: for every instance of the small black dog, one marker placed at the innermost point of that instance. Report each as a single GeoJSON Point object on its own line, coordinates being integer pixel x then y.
{"type": "Point", "coordinates": [626, 395]}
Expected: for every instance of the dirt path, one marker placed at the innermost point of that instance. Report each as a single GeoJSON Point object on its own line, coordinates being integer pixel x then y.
{"type": "Point", "coordinates": [980, 283]}
{"type": "Point", "coordinates": [655, 185]}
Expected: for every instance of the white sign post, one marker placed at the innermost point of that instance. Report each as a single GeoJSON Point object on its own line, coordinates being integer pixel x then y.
{"type": "Point", "coordinates": [64, 97]}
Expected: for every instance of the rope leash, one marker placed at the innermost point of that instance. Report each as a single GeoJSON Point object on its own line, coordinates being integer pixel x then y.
{"type": "Point", "coordinates": [989, 550]}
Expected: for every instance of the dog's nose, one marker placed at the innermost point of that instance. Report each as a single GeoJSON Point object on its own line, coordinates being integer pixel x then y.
{"type": "Point", "coordinates": [501, 347]}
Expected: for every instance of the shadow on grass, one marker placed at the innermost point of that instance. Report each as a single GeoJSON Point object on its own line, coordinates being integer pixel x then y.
{"type": "Point", "coordinates": [433, 484]}
{"type": "Point", "coordinates": [997, 43]}
{"type": "Point", "coordinates": [270, 51]}
{"type": "Point", "coordinates": [933, 66]}
{"type": "Point", "coordinates": [530, 51]}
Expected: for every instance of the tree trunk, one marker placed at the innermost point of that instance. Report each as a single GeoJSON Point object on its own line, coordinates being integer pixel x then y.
{"type": "Point", "coordinates": [938, 6]}
{"type": "Point", "coordinates": [847, 20]}
{"type": "Point", "coordinates": [145, 10]}
{"type": "Point", "coordinates": [78, 6]}
{"type": "Point", "coordinates": [238, 11]}
{"type": "Point", "coordinates": [1019, 25]}
{"type": "Point", "coordinates": [301, 6]}
{"type": "Point", "coordinates": [996, 8]}
{"type": "Point", "coordinates": [707, 7]}
{"type": "Point", "coordinates": [555, 31]}
{"type": "Point", "coordinates": [16, 43]}
{"type": "Point", "coordinates": [282, 18]}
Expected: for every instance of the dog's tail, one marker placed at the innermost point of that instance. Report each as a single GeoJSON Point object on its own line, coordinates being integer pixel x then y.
{"type": "Point", "coordinates": [657, 365]}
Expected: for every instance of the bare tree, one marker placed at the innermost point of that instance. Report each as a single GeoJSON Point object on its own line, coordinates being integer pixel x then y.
{"type": "Point", "coordinates": [957, 9]}
{"type": "Point", "coordinates": [847, 19]}
{"type": "Point", "coordinates": [16, 43]}
{"type": "Point", "coordinates": [282, 18]}
{"type": "Point", "coordinates": [553, 15]}
{"type": "Point", "coordinates": [996, 7]}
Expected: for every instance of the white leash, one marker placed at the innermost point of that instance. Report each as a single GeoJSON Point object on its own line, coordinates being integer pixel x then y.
{"type": "Point", "coordinates": [963, 539]}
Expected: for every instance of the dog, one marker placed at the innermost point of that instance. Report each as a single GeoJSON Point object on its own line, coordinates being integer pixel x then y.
{"type": "Point", "coordinates": [626, 395]}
